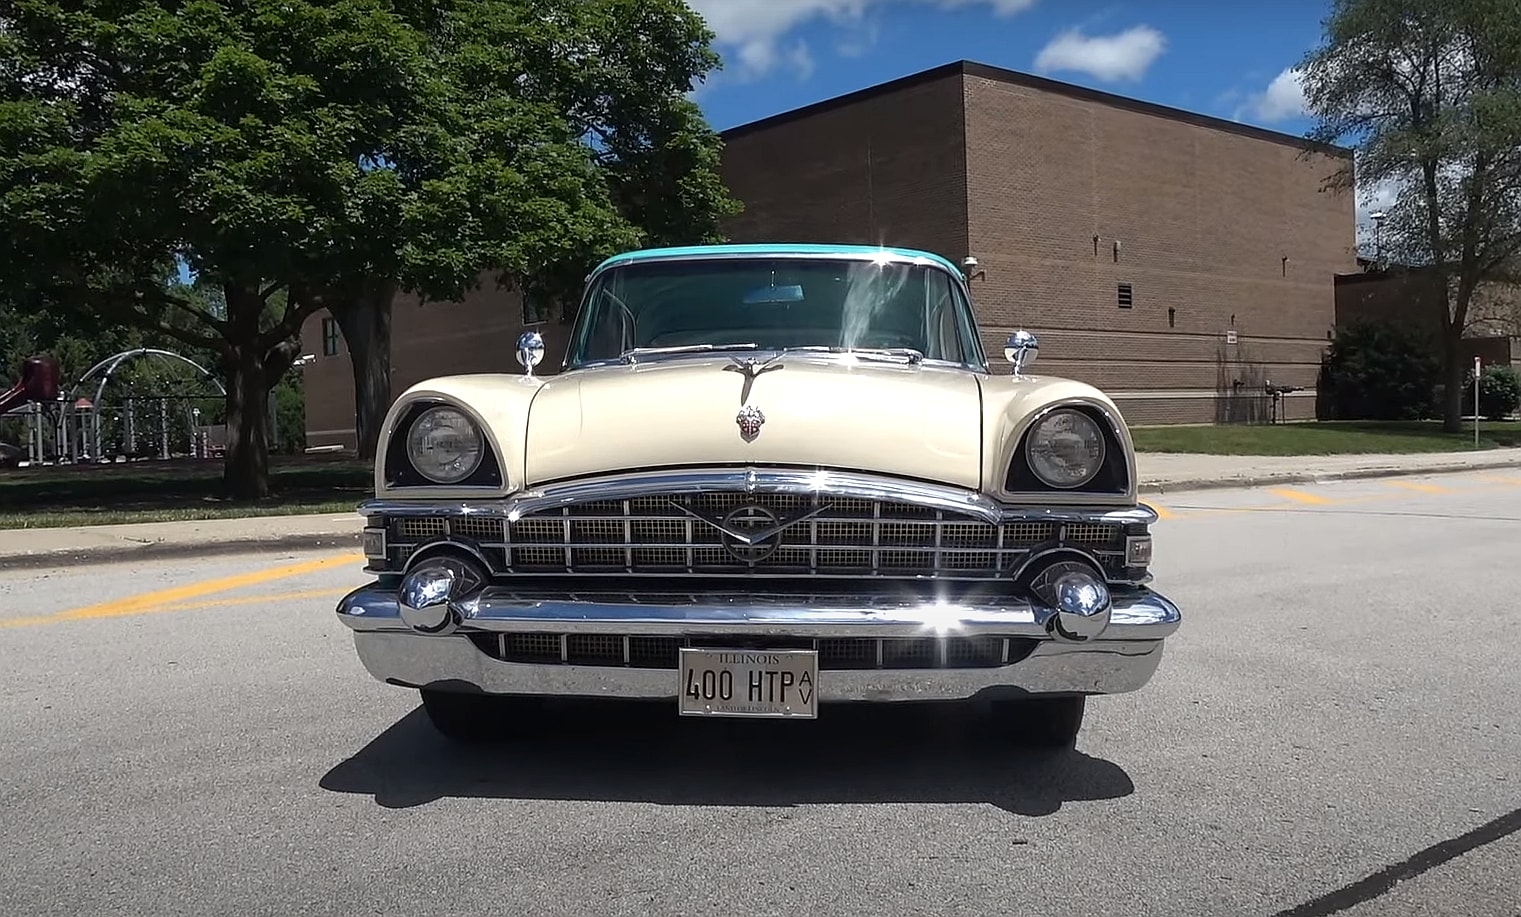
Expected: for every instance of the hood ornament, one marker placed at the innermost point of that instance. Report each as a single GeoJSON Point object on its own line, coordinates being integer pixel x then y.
{"type": "Point", "coordinates": [750, 420]}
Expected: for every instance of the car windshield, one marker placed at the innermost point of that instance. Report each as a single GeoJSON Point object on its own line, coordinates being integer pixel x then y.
{"type": "Point", "coordinates": [898, 309]}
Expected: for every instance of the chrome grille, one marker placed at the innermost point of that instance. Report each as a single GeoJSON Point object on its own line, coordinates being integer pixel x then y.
{"type": "Point", "coordinates": [665, 535]}
{"type": "Point", "coordinates": [835, 653]}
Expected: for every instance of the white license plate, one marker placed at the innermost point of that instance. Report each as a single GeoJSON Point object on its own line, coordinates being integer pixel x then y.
{"type": "Point", "coordinates": [754, 683]}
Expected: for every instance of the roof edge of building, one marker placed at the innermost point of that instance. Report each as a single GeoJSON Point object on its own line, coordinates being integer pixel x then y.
{"type": "Point", "coordinates": [1017, 78]}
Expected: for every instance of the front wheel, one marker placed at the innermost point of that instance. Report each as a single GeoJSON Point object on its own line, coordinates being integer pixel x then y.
{"type": "Point", "coordinates": [468, 718]}
{"type": "Point", "coordinates": [1045, 722]}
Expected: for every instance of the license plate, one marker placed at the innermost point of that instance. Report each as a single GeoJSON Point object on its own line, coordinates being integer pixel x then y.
{"type": "Point", "coordinates": [753, 683]}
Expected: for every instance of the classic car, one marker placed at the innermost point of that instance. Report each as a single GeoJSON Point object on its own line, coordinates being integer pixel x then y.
{"type": "Point", "coordinates": [766, 480]}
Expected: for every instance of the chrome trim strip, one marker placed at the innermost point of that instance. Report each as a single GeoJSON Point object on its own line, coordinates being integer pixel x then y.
{"type": "Point", "coordinates": [454, 663]}
{"type": "Point", "coordinates": [761, 480]}
{"type": "Point", "coordinates": [1141, 614]}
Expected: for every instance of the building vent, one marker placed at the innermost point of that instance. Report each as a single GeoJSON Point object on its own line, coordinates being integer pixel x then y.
{"type": "Point", "coordinates": [1125, 300]}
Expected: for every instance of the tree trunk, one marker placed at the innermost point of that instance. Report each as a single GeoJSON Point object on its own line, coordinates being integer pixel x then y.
{"type": "Point", "coordinates": [245, 472]}
{"type": "Point", "coordinates": [366, 325]}
{"type": "Point", "coordinates": [1454, 374]}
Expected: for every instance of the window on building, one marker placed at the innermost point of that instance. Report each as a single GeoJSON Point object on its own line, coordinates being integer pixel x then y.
{"type": "Point", "coordinates": [330, 336]}
{"type": "Point", "coordinates": [1125, 298]}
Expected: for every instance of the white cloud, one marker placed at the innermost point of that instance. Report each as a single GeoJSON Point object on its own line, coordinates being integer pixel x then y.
{"type": "Point", "coordinates": [1122, 56]}
{"type": "Point", "coordinates": [753, 32]}
{"type": "Point", "coordinates": [1371, 199]}
{"type": "Point", "coordinates": [1283, 100]}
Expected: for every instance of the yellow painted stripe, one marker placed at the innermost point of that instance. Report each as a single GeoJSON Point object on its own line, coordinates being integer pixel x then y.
{"type": "Point", "coordinates": [1162, 511]}
{"type": "Point", "coordinates": [1302, 496]}
{"type": "Point", "coordinates": [139, 604]}
{"type": "Point", "coordinates": [1503, 479]}
{"type": "Point", "coordinates": [254, 600]}
{"type": "Point", "coordinates": [1423, 488]}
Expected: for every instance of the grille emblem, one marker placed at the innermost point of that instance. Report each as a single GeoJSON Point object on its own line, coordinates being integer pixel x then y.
{"type": "Point", "coordinates": [751, 533]}
{"type": "Point", "coordinates": [762, 527]}
{"type": "Point", "coordinates": [750, 420]}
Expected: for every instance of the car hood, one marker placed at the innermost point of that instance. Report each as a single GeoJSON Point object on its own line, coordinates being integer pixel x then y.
{"type": "Point", "coordinates": [916, 421]}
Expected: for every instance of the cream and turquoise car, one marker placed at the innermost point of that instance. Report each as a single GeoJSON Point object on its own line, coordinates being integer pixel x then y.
{"type": "Point", "coordinates": [769, 478]}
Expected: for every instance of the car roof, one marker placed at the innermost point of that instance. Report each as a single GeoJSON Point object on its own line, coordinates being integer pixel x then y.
{"type": "Point", "coordinates": [777, 248]}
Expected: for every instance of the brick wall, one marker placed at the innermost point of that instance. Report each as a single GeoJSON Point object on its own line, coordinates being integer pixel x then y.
{"type": "Point", "coordinates": [889, 169]}
{"type": "Point", "coordinates": [1204, 217]}
{"type": "Point", "coordinates": [476, 334]}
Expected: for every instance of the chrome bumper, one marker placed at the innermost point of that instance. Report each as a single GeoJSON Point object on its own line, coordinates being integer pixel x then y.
{"type": "Point", "coordinates": [1123, 657]}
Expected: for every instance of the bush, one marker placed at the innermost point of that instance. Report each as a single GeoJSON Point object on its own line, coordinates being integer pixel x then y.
{"type": "Point", "coordinates": [1499, 393]}
{"type": "Point", "coordinates": [1378, 370]}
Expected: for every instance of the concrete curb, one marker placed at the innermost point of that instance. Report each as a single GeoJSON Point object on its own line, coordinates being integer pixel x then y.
{"type": "Point", "coordinates": [347, 536]}
{"type": "Point", "coordinates": [1323, 477]}
{"type": "Point", "coordinates": [129, 552]}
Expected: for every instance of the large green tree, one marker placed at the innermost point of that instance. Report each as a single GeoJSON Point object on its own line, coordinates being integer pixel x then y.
{"type": "Point", "coordinates": [601, 86]}
{"type": "Point", "coordinates": [295, 155]}
{"type": "Point", "coordinates": [1429, 91]}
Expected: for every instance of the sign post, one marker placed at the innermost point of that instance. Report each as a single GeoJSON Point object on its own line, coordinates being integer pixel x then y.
{"type": "Point", "coordinates": [1476, 370]}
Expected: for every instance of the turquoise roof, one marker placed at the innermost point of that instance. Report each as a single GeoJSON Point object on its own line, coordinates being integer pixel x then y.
{"type": "Point", "coordinates": [776, 249]}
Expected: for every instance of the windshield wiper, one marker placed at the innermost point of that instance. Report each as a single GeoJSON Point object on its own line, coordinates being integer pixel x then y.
{"type": "Point", "coordinates": [906, 354]}
{"type": "Point", "coordinates": [631, 355]}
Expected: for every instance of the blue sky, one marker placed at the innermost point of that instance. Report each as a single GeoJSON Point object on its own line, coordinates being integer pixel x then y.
{"type": "Point", "coordinates": [1232, 59]}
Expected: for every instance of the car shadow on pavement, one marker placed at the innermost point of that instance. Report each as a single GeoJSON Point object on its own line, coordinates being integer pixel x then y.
{"type": "Point", "coordinates": [641, 752]}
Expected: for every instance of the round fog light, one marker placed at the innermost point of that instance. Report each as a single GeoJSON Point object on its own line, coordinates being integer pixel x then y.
{"type": "Point", "coordinates": [1082, 606]}
{"type": "Point", "coordinates": [430, 594]}
{"type": "Point", "coordinates": [1078, 599]}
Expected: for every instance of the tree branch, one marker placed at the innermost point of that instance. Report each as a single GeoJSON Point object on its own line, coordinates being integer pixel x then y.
{"type": "Point", "coordinates": [299, 306]}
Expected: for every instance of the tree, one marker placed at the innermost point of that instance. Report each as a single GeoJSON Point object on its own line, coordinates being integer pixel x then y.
{"type": "Point", "coordinates": [604, 83]}
{"type": "Point", "coordinates": [294, 155]}
{"type": "Point", "coordinates": [1430, 92]}
{"type": "Point", "coordinates": [1378, 370]}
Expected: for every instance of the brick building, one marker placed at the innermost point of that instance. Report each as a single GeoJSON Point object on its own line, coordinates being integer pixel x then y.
{"type": "Point", "coordinates": [1412, 296]}
{"type": "Point", "coordinates": [1178, 261]}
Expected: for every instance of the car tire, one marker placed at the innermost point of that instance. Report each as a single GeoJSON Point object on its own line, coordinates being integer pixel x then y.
{"type": "Point", "coordinates": [467, 718]}
{"type": "Point", "coordinates": [1046, 722]}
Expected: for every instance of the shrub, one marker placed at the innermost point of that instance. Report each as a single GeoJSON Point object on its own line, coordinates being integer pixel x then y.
{"type": "Point", "coordinates": [1499, 392]}
{"type": "Point", "coordinates": [1378, 370]}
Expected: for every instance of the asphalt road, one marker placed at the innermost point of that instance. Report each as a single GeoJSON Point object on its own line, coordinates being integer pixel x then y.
{"type": "Point", "coordinates": [1335, 730]}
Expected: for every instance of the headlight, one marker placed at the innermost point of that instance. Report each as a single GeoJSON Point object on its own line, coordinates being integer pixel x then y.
{"type": "Point", "coordinates": [1065, 448]}
{"type": "Point", "coordinates": [444, 445]}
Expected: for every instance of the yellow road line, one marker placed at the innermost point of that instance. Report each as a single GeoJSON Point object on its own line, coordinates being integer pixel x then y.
{"type": "Point", "coordinates": [1423, 488]}
{"type": "Point", "coordinates": [1302, 496]}
{"type": "Point", "coordinates": [149, 601]}
{"type": "Point", "coordinates": [253, 600]}
{"type": "Point", "coordinates": [1161, 511]}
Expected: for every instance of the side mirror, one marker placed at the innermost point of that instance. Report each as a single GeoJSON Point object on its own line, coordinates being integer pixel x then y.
{"type": "Point", "coordinates": [530, 351]}
{"type": "Point", "coordinates": [1021, 350]}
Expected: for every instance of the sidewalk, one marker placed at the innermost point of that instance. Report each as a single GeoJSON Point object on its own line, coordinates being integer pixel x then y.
{"type": "Point", "coordinates": [1159, 473]}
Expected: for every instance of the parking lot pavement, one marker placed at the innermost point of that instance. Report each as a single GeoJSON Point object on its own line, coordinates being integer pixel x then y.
{"type": "Point", "coordinates": [1333, 731]}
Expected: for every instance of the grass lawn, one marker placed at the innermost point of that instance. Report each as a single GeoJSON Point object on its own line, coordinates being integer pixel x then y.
{"type": "Point", "coordinates": [181, 489]}
{"type": "Point", "coordinates": [1331, 438]}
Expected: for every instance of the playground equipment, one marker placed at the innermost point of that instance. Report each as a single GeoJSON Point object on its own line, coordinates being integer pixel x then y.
{"type": "Point", "coordinates": [150, 411]}
{"type": "Point", "coordinates": [39, 382]}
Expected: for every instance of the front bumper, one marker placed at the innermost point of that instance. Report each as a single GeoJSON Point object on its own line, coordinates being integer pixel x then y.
{"type": "Point", "coordinates": [1122, 658]}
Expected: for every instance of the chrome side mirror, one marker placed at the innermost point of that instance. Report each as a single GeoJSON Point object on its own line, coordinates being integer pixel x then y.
{"type": "Point", "coordinates": [530, 351]}
{"type": "Point", "coordinates": [1021, 349]}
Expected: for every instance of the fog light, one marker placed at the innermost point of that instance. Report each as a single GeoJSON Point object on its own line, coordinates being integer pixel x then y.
{"type": "Point", "coordinates": [431, 592]}
{"type": "Point", "coordinates": [1082, 607]}
{"type": "Point", "coordinates": [1076, 598]}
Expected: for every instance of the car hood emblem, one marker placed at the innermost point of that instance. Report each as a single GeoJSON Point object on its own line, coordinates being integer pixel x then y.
{"type": "Point", "coordinates": [750, 418]}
